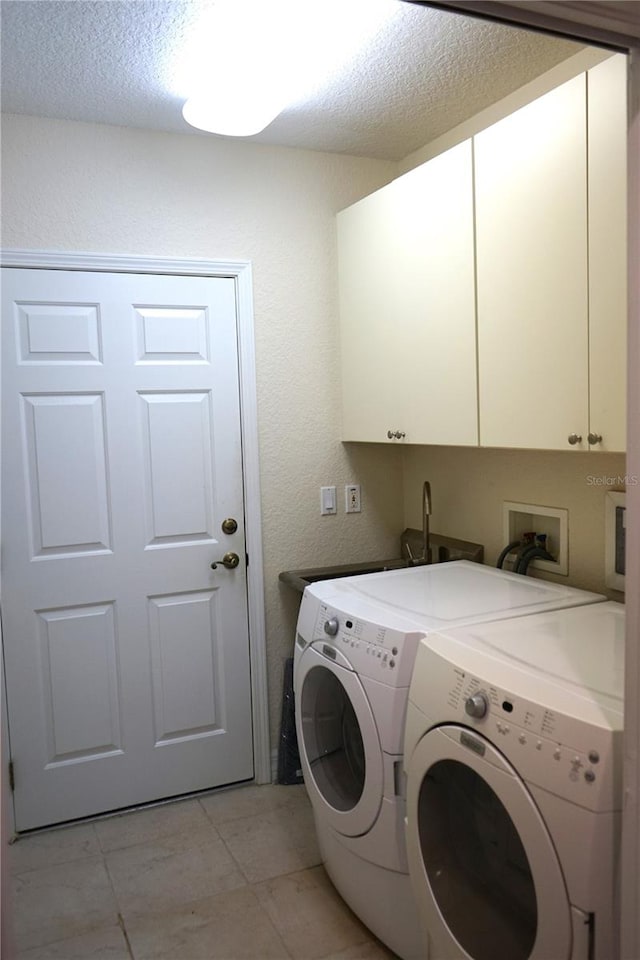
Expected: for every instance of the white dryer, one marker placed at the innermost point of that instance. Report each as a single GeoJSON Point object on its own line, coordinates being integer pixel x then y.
{"type": "Point", "coordinates": [514, 763]}
{"type": "Point", "coordinates": [355, 649]}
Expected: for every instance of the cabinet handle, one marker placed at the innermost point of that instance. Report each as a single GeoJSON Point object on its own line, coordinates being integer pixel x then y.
{"type": "Point", "coordinates": [594, 438]}
{"type": "Point", "coordinates": [573, 438]}
{"type": "Point", "coordinates": [395, 435]}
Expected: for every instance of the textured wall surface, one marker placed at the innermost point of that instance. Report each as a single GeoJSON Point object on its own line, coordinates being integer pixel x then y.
{"type": "Point", "coordinates": [469, 486]}
{"type": "Point", "coordinates": [82, 187]}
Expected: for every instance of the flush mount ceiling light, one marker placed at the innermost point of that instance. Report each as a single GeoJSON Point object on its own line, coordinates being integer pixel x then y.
{"type": "Point", "coordinates": [237, 117]}
{"type": "Point", "coordinates": [249, 59]}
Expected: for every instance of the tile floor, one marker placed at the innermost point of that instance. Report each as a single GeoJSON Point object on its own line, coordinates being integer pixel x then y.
{"type": "Point", "coordinates": [233, 875]}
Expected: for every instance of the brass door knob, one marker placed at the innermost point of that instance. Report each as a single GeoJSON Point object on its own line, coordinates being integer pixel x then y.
{"type": "Point", "coordinates": [230, 561]}
{"type": "Point", "coordinates": [230, 525]}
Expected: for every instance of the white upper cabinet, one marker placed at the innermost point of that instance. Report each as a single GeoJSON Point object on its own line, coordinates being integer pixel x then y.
{"type": "Point", "coordinates": [531, 221]}
{"type": "Point", "coordinates": [607, 138]}
{"type": "Point", "coordinates": [551, 264]}
{"type": "Point", "coordinates": [407, 307]}
{"type": "Point", "coordinates": [483, 294]}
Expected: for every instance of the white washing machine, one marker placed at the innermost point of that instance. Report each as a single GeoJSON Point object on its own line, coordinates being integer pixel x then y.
{"type": "Point", "coordinates": [355, 648]}
{"type": "Point", "coordinates": [513, 755]}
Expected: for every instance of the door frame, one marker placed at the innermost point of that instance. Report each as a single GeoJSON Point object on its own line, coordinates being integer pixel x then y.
{"type": "Point", "coordinates": [240, 272]}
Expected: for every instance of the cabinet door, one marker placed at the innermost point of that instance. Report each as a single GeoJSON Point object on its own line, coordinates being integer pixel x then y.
{"type": "Point", "coordinates": [531, 219]}
{"type": "Point", "coordinates": [369, 317]}
{"type": "Point", "coordinates": [437, 292]}
{"type": "Point", "coordinates": [408, 307]}
{"type": "Point", "coordinates": [607, 86]}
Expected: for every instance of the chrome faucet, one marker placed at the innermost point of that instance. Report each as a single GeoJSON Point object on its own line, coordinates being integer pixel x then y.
{"type": "Point", "coordinates": [426, 513]}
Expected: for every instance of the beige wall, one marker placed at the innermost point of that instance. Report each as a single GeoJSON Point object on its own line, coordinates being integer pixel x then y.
{"type": "Point", "coordinates": [469, 487]}
{"type": "Point", "coordinates": [91, 188]}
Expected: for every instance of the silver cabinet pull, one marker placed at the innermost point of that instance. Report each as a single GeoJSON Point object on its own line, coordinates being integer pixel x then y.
{"type": "Point", "coordinates": [395, 435]}
{"type": "Point", "coordinates": [574, 438]}
{"type": "Point", "coordinates": [230, 561]}
{"type": "Point", "coordinates": [594, 438]}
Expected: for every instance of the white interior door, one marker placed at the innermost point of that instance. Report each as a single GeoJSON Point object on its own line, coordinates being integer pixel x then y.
{"type": "Point", "coordinates": [127, 656]}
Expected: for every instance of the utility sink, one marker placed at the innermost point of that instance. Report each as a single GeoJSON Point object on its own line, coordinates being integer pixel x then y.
{"type": "Point", "coordinates": [443, 549]}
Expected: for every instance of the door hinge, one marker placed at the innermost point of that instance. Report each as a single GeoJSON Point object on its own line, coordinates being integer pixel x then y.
{"type": "Point", "coordinates": [12, 777]}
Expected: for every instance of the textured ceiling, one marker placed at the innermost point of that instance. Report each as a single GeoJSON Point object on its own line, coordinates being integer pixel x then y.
{"type": "Point", "coordinates": [415, 77]}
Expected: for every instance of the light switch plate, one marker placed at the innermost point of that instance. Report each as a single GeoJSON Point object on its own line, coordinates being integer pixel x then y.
{"type": "Point", "coordinates": [328, 501]}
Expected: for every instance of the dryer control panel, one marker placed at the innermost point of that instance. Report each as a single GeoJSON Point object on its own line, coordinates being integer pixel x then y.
{"type": "Point", "coordinates": [554, 750]}
{"type": "Point", "coordinates": [370, 649]}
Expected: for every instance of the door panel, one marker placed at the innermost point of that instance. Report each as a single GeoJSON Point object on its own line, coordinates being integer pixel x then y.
{"type": "Point", "coordinates": [67, 511]}
{"type": "Point", "coordinates": [78, 652]}
{"type": "Point", "coordinates": [58, 333]}
{"type": "Point", "coordinates": [185, 655]}
{"type": "Point", "coordinates": [127, 656]}
{"type": "Point", "coordinates": [178, 467]}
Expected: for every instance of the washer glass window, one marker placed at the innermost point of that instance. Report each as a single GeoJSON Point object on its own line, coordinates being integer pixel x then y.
{"type": "Point", "coordinates": [332, 739]}
{"type": "Point", "coordinates": [477, 868]}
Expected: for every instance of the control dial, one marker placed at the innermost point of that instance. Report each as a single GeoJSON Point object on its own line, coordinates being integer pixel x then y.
{"type": "Point", "coordinates": [331, 626]}
{"type": "Point", "coordinates": [476, 706]}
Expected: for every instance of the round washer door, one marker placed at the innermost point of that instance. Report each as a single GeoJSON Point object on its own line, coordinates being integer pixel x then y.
{"type": "Point", "coordinates": [339, 744]}
{"type": "Point", "coordinates": [482, 863]}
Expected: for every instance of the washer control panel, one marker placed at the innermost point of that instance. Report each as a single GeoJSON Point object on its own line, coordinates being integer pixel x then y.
{"type": "Point", "coordinates": [555, 751]}
{"type": "Point", "coordinates": [371, 649]}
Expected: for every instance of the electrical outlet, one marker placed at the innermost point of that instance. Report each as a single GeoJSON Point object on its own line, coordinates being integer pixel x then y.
{"type": "Point", "coordinates": [352, 498]}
